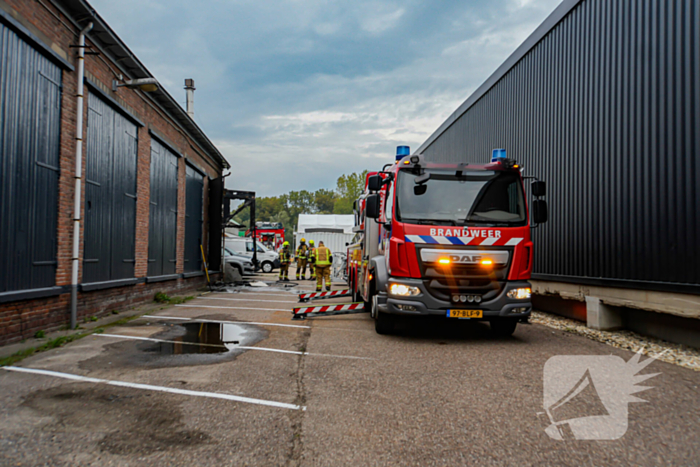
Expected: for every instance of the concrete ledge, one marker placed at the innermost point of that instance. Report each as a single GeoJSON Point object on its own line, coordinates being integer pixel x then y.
{"type": "Point", "coordinates": [683, 305]}
{"type": "Point", "coordinates": [168, 277]}
{"type": "Point", "coordinates": [189, 275]}
{"type": "Point", "coordinates": [90, 286]}
{"type": "Point", "coordinates": [17, 295]}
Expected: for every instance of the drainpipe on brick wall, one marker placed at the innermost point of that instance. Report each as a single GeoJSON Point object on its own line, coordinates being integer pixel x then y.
{"type": "Point", "coordinates": [78, 178]}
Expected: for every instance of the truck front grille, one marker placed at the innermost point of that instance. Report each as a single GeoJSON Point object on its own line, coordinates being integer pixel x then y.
{"type": "Point", "coordinates": [443, 282]}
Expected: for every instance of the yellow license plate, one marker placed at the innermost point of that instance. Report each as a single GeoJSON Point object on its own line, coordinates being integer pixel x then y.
{"type": "Point", "coordinates": [465, 314]}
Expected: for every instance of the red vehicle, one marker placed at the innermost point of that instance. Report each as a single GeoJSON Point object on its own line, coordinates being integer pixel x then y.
{"type": "Point", "coordinates": [270, 234]}
{"type": "Point", "coordinates": [445, 239]}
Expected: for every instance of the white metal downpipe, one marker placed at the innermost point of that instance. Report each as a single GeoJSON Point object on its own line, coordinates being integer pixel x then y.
{"type": "Point", "coordinates": [78, 178]}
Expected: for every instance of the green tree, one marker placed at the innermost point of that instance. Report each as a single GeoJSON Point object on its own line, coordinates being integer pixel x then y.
{"type": "Point", "coordinates": [287, 208]}
{"type": "Point", "coordinates": [324, 200]}
{"type": "Point", "coordinates": [348, 189]}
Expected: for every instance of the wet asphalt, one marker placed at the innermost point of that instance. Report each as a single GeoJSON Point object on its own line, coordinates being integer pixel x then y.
{"type": "Point", "coordinates": [438, 392]}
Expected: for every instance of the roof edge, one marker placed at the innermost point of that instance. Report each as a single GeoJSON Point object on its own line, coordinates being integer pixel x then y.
{"type": "Point", "coordinates": [162, 97]}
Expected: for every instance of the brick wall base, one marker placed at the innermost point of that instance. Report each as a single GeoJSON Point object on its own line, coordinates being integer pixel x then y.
{"type": "Point", "coordinates": [22, 319]}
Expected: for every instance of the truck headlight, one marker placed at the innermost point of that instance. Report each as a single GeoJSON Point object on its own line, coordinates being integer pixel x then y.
{"type": "Point", "coordinates": [402, 290]}
{"type": "Point", "coordinates": [522, 293]}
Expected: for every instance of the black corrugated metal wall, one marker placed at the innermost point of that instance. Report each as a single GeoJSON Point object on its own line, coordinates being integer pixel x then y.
{"type": "Point", "coordinates": [110, 194]}
{"type": "Point", "coordinates": [606, 109]}
{"type": "Point", "coordinates": [162, 223]}
{"type": "Point", "coordinates": [30, 114]}
{"type": "Point", "coordinates": [194, 191]}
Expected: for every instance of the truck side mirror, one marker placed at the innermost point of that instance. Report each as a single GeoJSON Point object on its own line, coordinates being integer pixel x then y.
{"type": "Point", "coordinates": [540, 214]}
{"type": "Point", "coordinates": [374, 183]}
{"type": "Point", "coordinates": [539, 188]}
{"type": "Point", "coordinates": [372, 206]}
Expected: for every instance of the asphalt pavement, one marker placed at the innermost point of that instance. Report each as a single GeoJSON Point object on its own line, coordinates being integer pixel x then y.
{"type": "Point", "coordinates": [230, 379]}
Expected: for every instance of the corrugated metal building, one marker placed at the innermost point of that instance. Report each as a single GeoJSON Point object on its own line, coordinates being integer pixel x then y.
{"type": "Point", "coordinates": [603, 102]}
{"type": "Point", "coordinates": [151, 179]}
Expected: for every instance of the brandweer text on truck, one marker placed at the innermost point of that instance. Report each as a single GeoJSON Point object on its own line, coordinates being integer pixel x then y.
{"type": "Point", "coordinates": [445, 239]}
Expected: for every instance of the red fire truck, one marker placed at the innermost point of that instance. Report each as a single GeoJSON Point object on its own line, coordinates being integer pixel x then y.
{"type": "Point", "coordinates": [270, 234]}
{"type": "Point", "coordinates": [445, 239]}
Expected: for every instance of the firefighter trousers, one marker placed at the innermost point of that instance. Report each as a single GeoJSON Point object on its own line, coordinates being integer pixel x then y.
{"type": "Point", "coordinates": [323, 273]}
{"type": "Point", "coordinates": [284, 271]}
{"type": "Point", "coordinates": [312, 271]}
{"type": "Point", "coordinates": [301, 267]}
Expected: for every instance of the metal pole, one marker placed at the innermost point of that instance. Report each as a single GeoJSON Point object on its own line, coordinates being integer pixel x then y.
{"type": "Point", "coordinates": [189, 87]}
{"type": "Point", "coordinates": [254, 232]}
{"type": "Point", "coordinates": [78, 178]}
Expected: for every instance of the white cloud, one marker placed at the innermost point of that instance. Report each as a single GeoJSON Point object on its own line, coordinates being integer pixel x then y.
{"type": "Point", "coordinates": [379, 22]}
{"type": "Point", "coordinates": [297, 92]}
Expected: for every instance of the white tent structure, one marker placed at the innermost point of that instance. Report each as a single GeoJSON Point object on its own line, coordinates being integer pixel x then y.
{"type": "Point", "coordinates": [332, 229]}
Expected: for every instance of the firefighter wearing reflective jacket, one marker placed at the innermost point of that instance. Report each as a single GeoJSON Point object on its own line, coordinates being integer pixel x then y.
{"type": "Point", "coordinates": [322, 259]}
{"type": "Point", "coordinates": [302, 256]}
{"type": "Point", "coordinates": [312, 269]}
{"type": "Point", "coordinates": [285, 259]}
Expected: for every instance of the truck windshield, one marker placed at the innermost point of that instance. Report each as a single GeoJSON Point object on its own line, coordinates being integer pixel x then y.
{"type": "Point", "coordinates": [486, 197]}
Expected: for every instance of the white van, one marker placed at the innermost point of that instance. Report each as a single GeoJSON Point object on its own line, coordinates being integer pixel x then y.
{"type": "Point", "coordinates": [269, 260]}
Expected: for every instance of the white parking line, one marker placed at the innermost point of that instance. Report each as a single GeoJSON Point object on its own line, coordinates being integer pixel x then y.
{"type": "Point", "coordinates": [224, 322]}
{"type": "Point", "coordinates": [244, 347]}
{"type": "Point", "coordinates": [246, 300]}
{"type": "Point", "coordinates": [232, 308]}
{"type": "Point", "coordinates": [148, 387]}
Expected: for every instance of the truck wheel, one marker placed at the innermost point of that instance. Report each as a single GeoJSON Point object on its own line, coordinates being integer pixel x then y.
{"type": "Point", "coordinates": [383, 322]}
{"type": "Point", "coordinates": [267, 266]}
{"type": "Point", "coordinates": [503, 327]}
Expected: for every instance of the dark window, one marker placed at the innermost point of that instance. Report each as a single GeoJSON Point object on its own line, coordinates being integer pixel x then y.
{"type": "Point", "coordinates": [162, 224]}
{"type": "Point", "coordinates": [193, 219]}
{"type": "Point", "coordinates": [110, 194]}
{"type": "Point", "coordinates": [30, 115]}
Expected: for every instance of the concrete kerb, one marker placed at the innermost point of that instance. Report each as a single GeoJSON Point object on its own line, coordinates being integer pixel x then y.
{"type": "Point", "coordinates": [88, 327]}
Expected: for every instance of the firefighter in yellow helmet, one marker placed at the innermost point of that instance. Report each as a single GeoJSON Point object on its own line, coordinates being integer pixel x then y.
{"type": "Point", "coordinates": [322, 259]}
{"type": "Point", "coordinates": [285, 259]}
{"type": "Point", "coordinates": [302, 255]}
{"type": "Point", "coordinates": [312, 269]}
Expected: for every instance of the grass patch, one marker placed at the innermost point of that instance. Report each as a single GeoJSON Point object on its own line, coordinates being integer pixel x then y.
{"type": "Point", "coordinates": [60, 342]}
{"type": "Point", "coordinates": [40, 334]}
{"type": "Point", "coordinates": [52, 344]}
{"type": "Point", "coordinates": [179, 300]}
{"type": "Point", "coordinates": [161, 298]}
{"type": "Point", "coordinates": [164, 298]}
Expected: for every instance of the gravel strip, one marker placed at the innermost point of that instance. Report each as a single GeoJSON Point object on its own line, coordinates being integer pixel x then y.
{"type": "Point", "coordinates": [678, 354]}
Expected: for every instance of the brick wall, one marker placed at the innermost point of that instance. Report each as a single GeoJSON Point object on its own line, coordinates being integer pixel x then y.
{"type": "Point", "coordinates": [21, 319]}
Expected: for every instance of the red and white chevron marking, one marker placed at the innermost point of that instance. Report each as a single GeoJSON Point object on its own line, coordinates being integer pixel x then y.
{"type": "Point", "coordinates": [307, 296]}
{"type": "Point", "coordinates": [328, 308]}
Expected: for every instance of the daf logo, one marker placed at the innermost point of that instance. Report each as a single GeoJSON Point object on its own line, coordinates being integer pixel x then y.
{"type": "Point", "coordinates": [445, 256]}
{"type": "Point", "coordinates": [465, 259]}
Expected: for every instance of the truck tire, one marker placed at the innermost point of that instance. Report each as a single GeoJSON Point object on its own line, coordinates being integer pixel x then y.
{"type": "Point", "coordinates": [267, 266]}
{"type": "Point", "coordinates": [383, 322]}
{"type": "Point", "coordinates": [503, 327]}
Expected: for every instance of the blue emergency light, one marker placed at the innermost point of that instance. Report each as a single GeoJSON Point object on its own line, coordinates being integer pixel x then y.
{"type": "Point", "coordinates": [499, 155]}
{"type": "Point", "coordinates": [402, 151]}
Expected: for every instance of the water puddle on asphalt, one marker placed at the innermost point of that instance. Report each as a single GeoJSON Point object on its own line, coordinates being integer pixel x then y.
{"type": "Point", "coordinates": [207, 338]}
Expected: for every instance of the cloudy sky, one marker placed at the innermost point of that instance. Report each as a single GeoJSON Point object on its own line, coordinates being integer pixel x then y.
{"type": "Point", "coordinates": [295, 93]}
